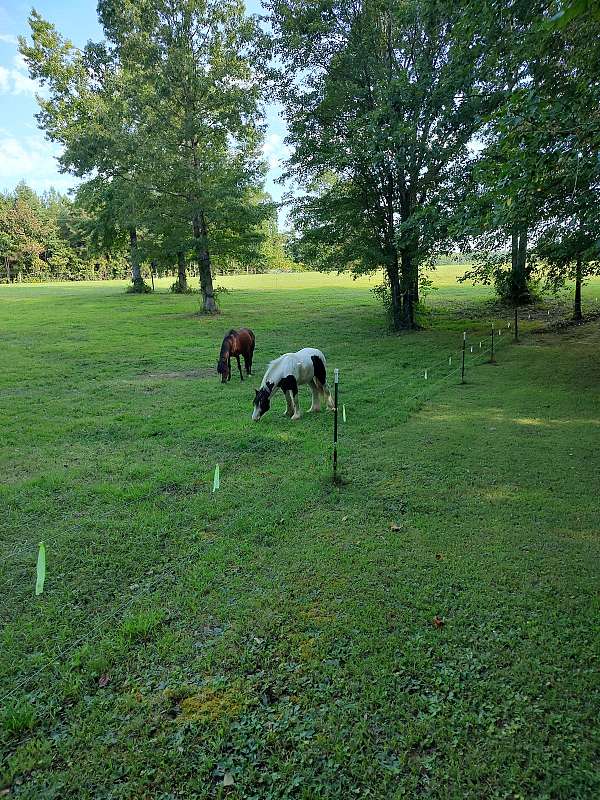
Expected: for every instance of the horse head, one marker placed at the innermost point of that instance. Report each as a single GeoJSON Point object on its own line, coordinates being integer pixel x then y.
{"type": "Point", "coordinates": [262, 401]}
{"type": "Point", "coordinates": [224, 369]}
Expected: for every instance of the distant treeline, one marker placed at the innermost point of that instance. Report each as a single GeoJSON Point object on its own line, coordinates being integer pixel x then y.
{"type": "Point", "coordinates": [49, 236]}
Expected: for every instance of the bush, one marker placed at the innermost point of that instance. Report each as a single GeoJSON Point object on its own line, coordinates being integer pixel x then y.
{"type": "Point", "coordinates": [139, 288]}
{"type": "Point", "coordinates": [513, 295]}
{"type": "Point", "coordinates": [176, 289]}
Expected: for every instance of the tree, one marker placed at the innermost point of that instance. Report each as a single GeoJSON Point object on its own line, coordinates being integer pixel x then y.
{"type": "Point", "coordinates": [86, 113]}
{"type": "Point", "coordinates": [567, 134]}
{"type": "Point", "coordinates": [23, 234]}
{"type": "Point", "coordinates": [192, 99]}
{"type": "Point", "coordinates": [539, 141]}
{"type": "Point", "coordinates": [50, 237]}
{"type": "Point", "coordinates": [382, 99]}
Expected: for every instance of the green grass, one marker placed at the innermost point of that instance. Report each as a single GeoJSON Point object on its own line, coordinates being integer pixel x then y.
{"type": "Point", "coordinates": [280, 630]}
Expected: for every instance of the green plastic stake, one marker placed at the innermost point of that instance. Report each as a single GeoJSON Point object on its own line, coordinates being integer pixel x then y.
{"type": "Point", "coordinates": [344, 413]}
{"type": "Point", "coordinates": [41, 569]}
{"type": "Point", "coordinates": [216, 479]}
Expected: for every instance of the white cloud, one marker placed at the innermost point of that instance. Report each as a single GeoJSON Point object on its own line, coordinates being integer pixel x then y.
{"type": "Point", "coordinates": [275, 151]}
{"type": "Point", "coordinates": [15, 79]}
{"type": "Point", "coordinates": [33, 160]}
{"type": "Point", "coordinates": [8, 38]}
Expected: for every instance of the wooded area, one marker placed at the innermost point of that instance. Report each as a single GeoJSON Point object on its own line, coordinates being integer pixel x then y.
{"type": "Point", "coordinates": [51, 237]}
{"type": "Point", "coordinates": [415, 129]}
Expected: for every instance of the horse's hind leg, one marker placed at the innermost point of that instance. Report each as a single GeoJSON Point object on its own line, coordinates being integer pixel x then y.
{"type": "Point", "coordinates": [326, 392]}
{"type": "Point", "coordinates": [316, 396]}
{"type": "Point", "coordinates": [328, 396]}
{"type": "Point", "coordinates": [320, 379]}
{"type": "Point", "coordinates": [239, 367]}
{"type": "Point", "coordinates": [248, 363]}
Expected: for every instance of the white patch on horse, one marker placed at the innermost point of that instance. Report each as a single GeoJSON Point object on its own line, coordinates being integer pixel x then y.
{"type": "Point", "coordinates": [289, 368]}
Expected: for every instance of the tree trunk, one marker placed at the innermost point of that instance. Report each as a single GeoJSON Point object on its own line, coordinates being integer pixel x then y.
{"type": "Point", "coordinates": [136, 272]}
{"type": "Point", "coordinates": [519, 283]}
{"type": "Point", "coordinates": [395, 294]}
{"type": "Point", "coordinates": [407, 283]}
{"type": "Point", "coordinates": [8, 275]}
{"type": "Point", "coordinates": [577, 315]}
{"type": "Point", "coordinates": [209, 305]}
{"type": "Point", "coordinates": [181, 276]}
{"type": "Point", "coordinates": [415, 290]}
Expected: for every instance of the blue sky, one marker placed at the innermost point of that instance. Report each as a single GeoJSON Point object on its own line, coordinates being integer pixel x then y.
{"type": "Point", "coordinates": [24, 152]}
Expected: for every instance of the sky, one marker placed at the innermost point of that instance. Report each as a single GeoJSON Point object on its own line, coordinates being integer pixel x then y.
{"type": "Point", "coordinates": [25, 154]}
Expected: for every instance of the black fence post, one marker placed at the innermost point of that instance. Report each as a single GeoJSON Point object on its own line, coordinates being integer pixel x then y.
{"type": "Point", "coordinates": [492, 356]}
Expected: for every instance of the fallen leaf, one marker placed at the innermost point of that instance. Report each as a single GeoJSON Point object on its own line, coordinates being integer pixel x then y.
{"type": "Point", "coordinates": [228, 779]}
{"type": "Point", "coordinates": [438, 622]}
{"type": "Point", "coordinates": [344, 519]}
{"type": "Point", "coordinates": [103, 681]}
{"type": "Point", "coordinates": [395, 527]}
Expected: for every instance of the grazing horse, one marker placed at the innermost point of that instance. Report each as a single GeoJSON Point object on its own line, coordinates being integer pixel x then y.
{"type": "Point", "coordinates": [287, 372]}
{"type": "Point", "coordinates": [236, 344]}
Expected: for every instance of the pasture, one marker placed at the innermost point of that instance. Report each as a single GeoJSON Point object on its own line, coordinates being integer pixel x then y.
{"type": "Point", "coordinates": [427, 629]}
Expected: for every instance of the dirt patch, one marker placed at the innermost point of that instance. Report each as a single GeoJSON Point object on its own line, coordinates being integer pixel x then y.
{"type": "Point", "coordinates": [183, 375]}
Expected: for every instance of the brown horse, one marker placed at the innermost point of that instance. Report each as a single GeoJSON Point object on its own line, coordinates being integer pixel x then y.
{"type": "Point", "coordinates": [236, 344]}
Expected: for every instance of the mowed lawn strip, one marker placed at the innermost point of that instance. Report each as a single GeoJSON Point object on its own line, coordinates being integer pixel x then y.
{"type": "Point", "coordinates": [426, 629]}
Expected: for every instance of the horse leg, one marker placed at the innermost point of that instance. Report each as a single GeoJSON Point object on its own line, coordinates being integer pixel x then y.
{"type": "Point", "coordinates": [327, 396]}
{"type": "Point", "coordinates": [297, 413]}
{"type": "Point", "coordinates": [315, 406]}
{"type": "Point", "coordinates": [289, 411]}
{"type": "Point", "coordinates": [248, 364]}
{"type": "Point", "coordinates": [239, 367]}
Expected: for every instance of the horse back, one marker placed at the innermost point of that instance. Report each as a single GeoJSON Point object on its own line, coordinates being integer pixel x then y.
{"type": "Point", "coordinates": [243, 341]}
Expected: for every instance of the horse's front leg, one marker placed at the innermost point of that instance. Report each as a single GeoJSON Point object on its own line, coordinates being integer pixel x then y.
{"type": "Point", "coordinates": [239, 367]}
{"type": "Point", "coordinates": [248, 364]}
{"type": "Point", "coordinates": [289, 402]}
{"type": "Point", "coordinates": [297, 413]}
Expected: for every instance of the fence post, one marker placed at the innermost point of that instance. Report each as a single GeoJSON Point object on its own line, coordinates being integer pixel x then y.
{"type": "Point", "coordinates": [336, 381]}
{"type": "Point", "coordinates": [492, 357]}
{"type": "Point", "coordinates": [464, 347]}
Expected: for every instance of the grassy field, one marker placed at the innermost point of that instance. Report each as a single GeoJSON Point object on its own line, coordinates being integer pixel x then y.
{"type": "Point", "coordinates": [427, 629]}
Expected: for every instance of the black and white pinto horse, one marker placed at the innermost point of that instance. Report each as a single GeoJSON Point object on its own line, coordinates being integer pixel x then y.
{"type": "Point", "coordinates": [289, 371]}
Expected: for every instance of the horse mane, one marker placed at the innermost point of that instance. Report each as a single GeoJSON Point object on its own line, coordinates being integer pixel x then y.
{"type": "Point", "coordinates": [225, 342]}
